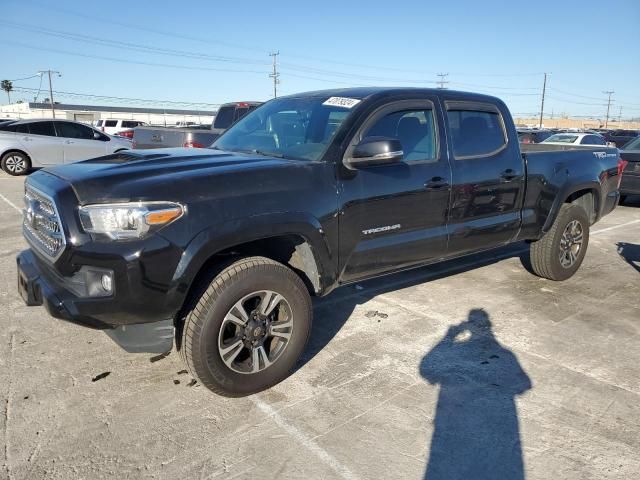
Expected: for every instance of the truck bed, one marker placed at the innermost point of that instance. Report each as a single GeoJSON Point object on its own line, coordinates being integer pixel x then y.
{"type": "Point", "coordinates": [167, 137]}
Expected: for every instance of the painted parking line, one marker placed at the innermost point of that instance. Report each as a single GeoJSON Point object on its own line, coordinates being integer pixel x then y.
{"type": "Point", "coordinates": [11, 204]}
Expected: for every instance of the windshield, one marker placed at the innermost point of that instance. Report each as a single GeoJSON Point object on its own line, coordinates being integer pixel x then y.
{"type": "Point", "coordinates": [561, 138]}
{"type": "Point", "coordinates": [295, 128]}
{"type": "Point", "coordinates": [633, 144]}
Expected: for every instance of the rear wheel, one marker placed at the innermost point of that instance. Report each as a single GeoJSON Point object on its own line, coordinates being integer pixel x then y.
{"type": "Point", "coordinates": [560, 252]}
{"type": "Point", "coordinates": [248, 328]}
{"type": "Point", "coordinates": [16, 163]}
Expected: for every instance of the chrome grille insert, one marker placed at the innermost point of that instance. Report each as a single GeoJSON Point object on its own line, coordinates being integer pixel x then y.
{"type": "Point", "coordinates": [41, 223]}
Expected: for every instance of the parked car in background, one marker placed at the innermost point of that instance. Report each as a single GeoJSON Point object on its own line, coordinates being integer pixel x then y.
{"type": "Point", "coordinates": [621, 137]}
{"type": "Point", "coordinates": [533, 136]}
{"type": "Point", "coordinates": [193, 137]}
{"type": "Point", "coordinates": [221, 250]}
{"type": "Point", "coordinates": [113, 126]}
{"type": "Point", "coordinates": [576, 139]}
{"type": "Point", "coordinates": [28, 144]}
{"type": "Point", "coordinates": [631, 177]}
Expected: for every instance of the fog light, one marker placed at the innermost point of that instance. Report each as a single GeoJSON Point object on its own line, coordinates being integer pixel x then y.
{"type": "Point", "coordinates": [107, 283]}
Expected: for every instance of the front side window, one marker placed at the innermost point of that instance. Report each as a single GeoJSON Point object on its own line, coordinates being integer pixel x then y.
{"type": "Point", "coordinates": [42, 128]}
{"type": "Point", "coordinates": [295, 128]}
{"type": "Point", "coordinates": [415, 129]}
{"type": "Point", "coordinates": [73, 130]}
{"type": "Point", "coordinates": [475, 132]}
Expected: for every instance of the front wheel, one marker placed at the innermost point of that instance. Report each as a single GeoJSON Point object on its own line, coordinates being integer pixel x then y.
{"type": "Point", "coordinates": [248, 328]}
{"type": "Point", "coordinates": [560, 252]}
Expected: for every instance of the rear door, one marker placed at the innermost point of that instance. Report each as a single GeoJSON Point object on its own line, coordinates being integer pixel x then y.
{"type": "Point", "coordinates": [395, 216]}
{"type": "Point", "coordinates": [488, 177]}
{"type": "Point", "coordinates": [79, 142]}
{"type": "Point", "coordinates": [41, 143]}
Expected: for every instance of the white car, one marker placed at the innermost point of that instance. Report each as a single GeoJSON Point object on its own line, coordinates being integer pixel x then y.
{"type": "Point", "coordinates": [576, 139]}
{"type": "Point", "coordinates": [113, 126]}
{"type": "Point", "coordinates": [28, 144]}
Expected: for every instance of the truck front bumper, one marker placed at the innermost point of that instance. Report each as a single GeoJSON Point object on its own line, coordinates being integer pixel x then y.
{"type": "Point", "coordinates": [40, 286]}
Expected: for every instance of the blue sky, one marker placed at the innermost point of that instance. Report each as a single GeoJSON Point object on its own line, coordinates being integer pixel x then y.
{"type": "Point", "coordinates": [211, 52]}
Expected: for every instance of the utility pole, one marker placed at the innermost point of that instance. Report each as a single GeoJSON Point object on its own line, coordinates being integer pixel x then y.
{"type": "Point", "coordinates": [49, 72]}
{"type": "Point", "coordinates": [275, 75]}
{"type": "Point", "coordinates": [620, 115]}
{"type": "Point", "coordinates": [608, 92]}
{"type": "Point", "coordinates": [544, 92]}
{"type": "Point", "coordinates": [442, 82]}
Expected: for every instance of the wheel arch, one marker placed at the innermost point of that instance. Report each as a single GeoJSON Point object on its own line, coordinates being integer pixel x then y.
{"type": "Point", "coordinates": [586, 195]}
{"type": "Point", "coordinates": [298, 242]}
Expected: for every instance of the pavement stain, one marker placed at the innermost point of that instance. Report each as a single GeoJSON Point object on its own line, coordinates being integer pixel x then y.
{"type": "Point", "coordinates": [100, 376]}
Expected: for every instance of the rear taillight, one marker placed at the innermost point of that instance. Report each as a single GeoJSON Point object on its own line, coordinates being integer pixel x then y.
{"type": "Point", "coordinates": [622, 164]}
{"type": "Point", "coordinates": [193, 145]}
{"type": "Point", "coordinates": [125, 133]}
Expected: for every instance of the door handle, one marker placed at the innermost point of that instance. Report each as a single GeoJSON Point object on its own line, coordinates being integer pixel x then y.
{"type": "Point", "coordinates": [68, 142]}
{"type": "Point", "coordinates": [508, 175]}
{"type": "Point", "coordinates": [436, 183]}
{"type": "Point", "coordinates": [27, 139]}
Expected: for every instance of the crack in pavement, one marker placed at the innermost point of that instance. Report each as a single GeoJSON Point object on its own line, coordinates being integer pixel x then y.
{"type": "Point", "coordinates": [7, 409]}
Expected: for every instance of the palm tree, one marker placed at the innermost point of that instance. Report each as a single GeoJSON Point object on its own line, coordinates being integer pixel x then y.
{"type": "Point", "coordinates": [7, 86]}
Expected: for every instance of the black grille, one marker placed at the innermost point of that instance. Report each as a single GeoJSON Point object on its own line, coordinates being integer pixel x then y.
{"type": "Point", "coordinates": [41, 223]}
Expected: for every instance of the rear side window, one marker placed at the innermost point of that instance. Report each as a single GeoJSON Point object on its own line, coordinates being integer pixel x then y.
{"type": "Point", "coordinates": [42, 128]}
{"type": "Point", "coordinates": [110, 123]}
{"type": "Point", "coordinates": [475, 133]}
{"type": "Point", "coordinates": [129, 124]}
{"type": "Point", "coordinates": [414, 128]}
{"type": "Point", "coordinates": [224, 117]}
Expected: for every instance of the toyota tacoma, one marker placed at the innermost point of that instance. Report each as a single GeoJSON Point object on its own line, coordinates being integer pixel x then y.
{"type": "Point", "coordinates": [219, 251]}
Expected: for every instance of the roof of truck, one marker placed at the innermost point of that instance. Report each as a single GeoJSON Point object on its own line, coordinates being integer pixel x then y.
{"type": "Point", "coordinates": [364, 92]}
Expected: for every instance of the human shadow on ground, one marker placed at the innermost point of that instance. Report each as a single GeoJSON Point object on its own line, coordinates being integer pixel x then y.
{"type": "Point", "coordinates": [631, 254]}
{"type": "Point", "coordinates": [476, 430]}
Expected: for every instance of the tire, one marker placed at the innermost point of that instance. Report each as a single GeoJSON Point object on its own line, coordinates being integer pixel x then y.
{"type": "Point", "coordinates": [213, 328]}
{"type": "Point", "coordinates": [623, 198]}
{"type": "Point", "coordinates": [555, 255]}
{"type": "Point", "coordinates": [16, 163]}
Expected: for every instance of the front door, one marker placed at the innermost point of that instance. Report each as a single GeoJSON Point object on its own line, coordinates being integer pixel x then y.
{"type": "Point", "coordinates": [79, 142]}
{"type": "Point", "coordinates": [394, 216]}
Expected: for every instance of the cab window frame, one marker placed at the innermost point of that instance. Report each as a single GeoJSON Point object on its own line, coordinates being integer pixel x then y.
{"type": "Point", "coordinates": [475, 106]}
{"type": "Point", "coordinates": [408, 105]}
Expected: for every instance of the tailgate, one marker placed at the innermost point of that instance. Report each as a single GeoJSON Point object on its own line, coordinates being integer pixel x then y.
{"type": "Point", "coordinates": [145, 137]}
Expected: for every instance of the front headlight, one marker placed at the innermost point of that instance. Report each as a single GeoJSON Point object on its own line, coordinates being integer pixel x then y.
{"type": "Point", "coordinates": [121, 221]}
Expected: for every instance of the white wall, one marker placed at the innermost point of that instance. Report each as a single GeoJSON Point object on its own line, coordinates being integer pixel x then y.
{"type": "Point", "coordinates": [22, 111]}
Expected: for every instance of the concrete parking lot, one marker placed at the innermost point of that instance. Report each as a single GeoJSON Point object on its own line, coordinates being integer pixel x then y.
{"type": "Point", "coordinates": [471, 369]}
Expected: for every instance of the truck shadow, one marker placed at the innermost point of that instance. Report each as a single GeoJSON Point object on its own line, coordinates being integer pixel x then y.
{"type": "Point", "coordinates": [630, 253]}
{"type": "Point", "coordinates": [476, 431]}
{"type": "Point", "coordinates": [332, 312]}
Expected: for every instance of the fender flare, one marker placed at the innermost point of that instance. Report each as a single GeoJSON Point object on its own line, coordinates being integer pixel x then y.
{"type": "Point", "coordinates": [565, 192]}
{"type": "Point", "coordinates": [217, 238]}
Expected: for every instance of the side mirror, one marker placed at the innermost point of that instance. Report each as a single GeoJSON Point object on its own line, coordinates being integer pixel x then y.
{"type": "Point", "coordinates": [97, 136]}
{"type": "Point", "coordinates": [374, 151]}
{"type": "Point", "coordinates": [611, 144]}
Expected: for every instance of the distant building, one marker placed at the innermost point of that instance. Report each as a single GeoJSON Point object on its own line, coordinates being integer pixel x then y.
{"type": "Point", "coordinates": [91, 113]}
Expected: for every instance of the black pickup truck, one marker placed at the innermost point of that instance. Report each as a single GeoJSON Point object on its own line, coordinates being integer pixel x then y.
{"type": "Point", "coordinates": [221, 249]}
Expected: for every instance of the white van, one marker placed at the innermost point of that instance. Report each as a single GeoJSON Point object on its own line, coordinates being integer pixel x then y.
{"type": "Point", "coordinates": [113, 126]}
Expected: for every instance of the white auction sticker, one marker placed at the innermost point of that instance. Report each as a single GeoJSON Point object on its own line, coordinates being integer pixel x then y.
{"type": "Point", "coordinates": [342, 102]}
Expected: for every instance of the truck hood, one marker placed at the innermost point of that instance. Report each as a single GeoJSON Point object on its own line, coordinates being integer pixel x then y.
{"type": "Point", "coordinates": [144, 174]}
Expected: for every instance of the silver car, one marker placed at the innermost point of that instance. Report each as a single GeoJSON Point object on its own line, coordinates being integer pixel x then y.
{"type": "Point", "coordinates": [28, 144]}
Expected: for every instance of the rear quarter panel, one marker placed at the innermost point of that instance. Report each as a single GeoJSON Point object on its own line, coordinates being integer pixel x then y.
{"type": "Point", "coordinates": [553, 175]}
